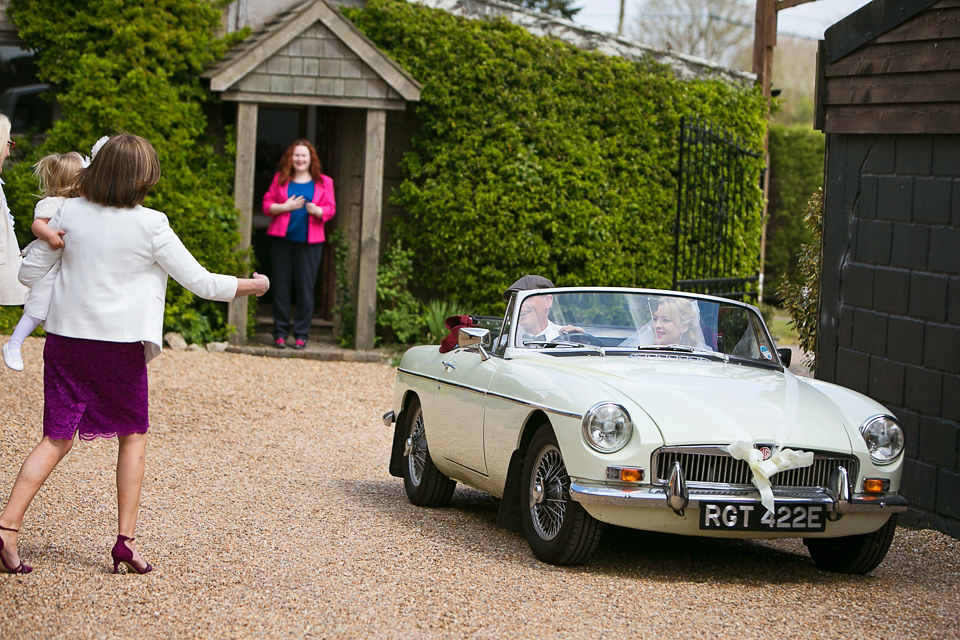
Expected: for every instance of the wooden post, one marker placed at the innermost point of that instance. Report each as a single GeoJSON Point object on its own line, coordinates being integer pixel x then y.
{"type": "Point", "coordinates": [764, 40]}
{"type": "Point", "coordinates": [370, 228]}
{"type": "Point", "coordinates": [243, 200]}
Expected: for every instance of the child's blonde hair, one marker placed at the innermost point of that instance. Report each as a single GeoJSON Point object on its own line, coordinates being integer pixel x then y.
{"type": "Point", "coordinates": [57, 174]}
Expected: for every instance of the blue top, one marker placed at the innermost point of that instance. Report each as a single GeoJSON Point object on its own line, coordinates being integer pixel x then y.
{"type": "Point", "coordinates": [297, 227]}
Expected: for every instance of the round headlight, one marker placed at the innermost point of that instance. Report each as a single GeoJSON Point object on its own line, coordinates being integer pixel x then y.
{"type": "Point", "coordinates": [884, 438]}
{"type": "Point", "coordinates": [607, 427]}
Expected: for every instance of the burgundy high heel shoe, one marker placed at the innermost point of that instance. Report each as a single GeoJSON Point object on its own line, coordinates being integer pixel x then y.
{"type": "Point", "coordinates": [22, 568]}
{"type": "Point", "coordinates": [122, 553]}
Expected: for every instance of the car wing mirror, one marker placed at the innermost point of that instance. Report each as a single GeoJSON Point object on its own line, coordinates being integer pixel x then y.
{"type": "Point", "coordinates": [474, 339]}
{"type": "Point", "coordinates": [786, 355]}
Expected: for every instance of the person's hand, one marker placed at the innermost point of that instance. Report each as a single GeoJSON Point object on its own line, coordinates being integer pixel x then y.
{"type": "Point", "coordinates": [294, 202]}
{"type": "Point", "coordinates": [56, 241]}
{"type": "Point", "coordinates": [314, 210]}
{"type": "Point", "coordinates": [572, 329]}
{"type": "Point", "coordinates": [261, 284]}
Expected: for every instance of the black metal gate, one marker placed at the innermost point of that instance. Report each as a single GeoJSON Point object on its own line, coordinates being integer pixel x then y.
{"type": "Point", "coordinates": [714, 178]}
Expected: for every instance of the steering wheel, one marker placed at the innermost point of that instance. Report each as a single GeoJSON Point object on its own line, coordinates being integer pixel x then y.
{"type": "Point", "coordinates": [584, 338]}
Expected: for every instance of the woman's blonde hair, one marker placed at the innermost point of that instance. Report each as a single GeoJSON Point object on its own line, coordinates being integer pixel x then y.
{"type": "Point", "coordinates": [57, 174]}
{"type": "Point", "coordinates": [682, 313]}
{"type": "Point", "coordinates": [4, 129]}
{"type": "Point", "coordinates": [121, 173]}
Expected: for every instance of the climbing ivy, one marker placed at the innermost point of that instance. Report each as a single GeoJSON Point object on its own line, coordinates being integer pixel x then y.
{"type": "Point", "coordinates": [134, 66]}
{"type": "Point", "coordinates": [534, 156]}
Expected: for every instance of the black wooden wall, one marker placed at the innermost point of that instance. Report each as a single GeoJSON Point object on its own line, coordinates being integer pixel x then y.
{"type": "Point", "coordinates": [890, 300]}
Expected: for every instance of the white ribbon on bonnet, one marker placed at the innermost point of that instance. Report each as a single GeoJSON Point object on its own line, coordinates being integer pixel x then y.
{"type": "Point", "coordinates": [763, 470]}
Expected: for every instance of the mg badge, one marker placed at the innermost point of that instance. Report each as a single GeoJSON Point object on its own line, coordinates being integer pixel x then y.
{"type": "Point", "coordinates": [765, 452]}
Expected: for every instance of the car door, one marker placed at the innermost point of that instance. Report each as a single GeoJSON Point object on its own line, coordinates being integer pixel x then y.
{"type": "Point", "coordinates": [459, 402]}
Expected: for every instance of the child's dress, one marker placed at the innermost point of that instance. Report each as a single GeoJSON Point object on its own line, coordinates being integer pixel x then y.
{"type": "Point", "coordinates": [38, 300]}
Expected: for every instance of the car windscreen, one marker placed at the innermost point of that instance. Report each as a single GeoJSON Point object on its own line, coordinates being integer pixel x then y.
{"type": "Point", "coordinates": [637, 322]}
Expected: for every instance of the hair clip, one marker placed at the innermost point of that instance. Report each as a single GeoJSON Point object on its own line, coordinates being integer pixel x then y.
{"type": "Point", "coordinates": [97, 145]}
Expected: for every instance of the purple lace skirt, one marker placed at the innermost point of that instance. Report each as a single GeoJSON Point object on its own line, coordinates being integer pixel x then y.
{"type": "Point", "coordinates": [96, 388]}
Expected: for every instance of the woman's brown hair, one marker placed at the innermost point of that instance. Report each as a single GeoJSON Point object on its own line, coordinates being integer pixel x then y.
{"type": "Point", "coordinates": [285, 166]}
{"type": "Point", "coordinates": [121, 173]}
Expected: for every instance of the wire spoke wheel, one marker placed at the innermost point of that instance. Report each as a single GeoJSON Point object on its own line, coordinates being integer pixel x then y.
{"type": "Point", "coordinates": [417, 457]}
{"type": "Point", "coordinates": [426, 486]}
{"type": "Point", "coordinates": [548, 493]}
{"type": "Point", "coordinates": [558, 529]}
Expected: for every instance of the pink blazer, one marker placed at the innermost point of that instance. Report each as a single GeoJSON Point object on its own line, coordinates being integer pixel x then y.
{"type": "Point", "coordinates": [322, 197]}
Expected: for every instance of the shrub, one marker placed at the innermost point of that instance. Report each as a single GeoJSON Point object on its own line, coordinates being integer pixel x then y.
{"type": "Point", "coordinates": [435, 314]}
{"type": "Point", "coordinates": [796, 171]}
{"type": "Point", "coordinates": [135, 66]}
{"type": "Point", "coordinates": [534, 156]}
{"type": "Point", "coordinates": [398, 316]}
{"type": "Point", "coordinates": [801, 294]}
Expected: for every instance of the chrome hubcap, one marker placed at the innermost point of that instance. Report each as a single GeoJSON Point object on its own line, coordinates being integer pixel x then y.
{"type": "Point", "coordinates": [548, 492]}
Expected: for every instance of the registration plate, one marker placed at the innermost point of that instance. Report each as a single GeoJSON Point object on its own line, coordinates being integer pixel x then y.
{"type": "Point", "coordinates": [732, 516]}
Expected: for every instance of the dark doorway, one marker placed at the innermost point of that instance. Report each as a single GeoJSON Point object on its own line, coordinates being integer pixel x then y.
{"type": "Point", "coordinates": [277, 127]}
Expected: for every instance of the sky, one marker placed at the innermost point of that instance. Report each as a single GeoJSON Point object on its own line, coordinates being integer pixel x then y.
{"type": "Point", "coordinates": [808, 20]}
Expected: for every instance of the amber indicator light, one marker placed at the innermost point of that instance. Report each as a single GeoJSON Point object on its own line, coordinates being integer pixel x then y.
{"type": "Point", "coordinates": [631, 475]}
{"type": "Point", "coordinates": [874, 485]}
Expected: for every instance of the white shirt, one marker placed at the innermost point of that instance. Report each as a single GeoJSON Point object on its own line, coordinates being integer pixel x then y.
{"type": "Point", "coordinates": [550, 332]}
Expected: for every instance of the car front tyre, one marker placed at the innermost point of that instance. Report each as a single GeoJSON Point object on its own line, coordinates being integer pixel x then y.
{"type": "Point", "coordinates": [853, 554]}
{"type": "Point", "coordinates": [558, 529]}
{"type": "Point", "coordinates": [425, 485]}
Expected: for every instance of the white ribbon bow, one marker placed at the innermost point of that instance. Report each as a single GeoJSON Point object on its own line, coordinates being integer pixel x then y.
{"type": "Point", "coordinates": [763, 470]}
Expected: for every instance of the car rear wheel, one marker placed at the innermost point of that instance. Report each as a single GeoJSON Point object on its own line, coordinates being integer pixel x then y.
{"type": "Point", "coordinates": [558, 530]}
{"type": "Point", "coordinates": [853, 554]}
{"type": "Point", "coordinates": [425, 485]}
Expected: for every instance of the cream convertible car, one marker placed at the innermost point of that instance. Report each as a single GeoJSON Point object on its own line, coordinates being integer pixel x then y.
{"type": "Point", "coordinates": [648, 409]}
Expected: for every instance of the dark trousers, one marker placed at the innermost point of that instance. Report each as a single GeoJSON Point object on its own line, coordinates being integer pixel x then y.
{"type": "Point", "coordinates": [295, 266]}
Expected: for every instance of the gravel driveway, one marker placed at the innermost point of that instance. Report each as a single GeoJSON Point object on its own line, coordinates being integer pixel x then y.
{"type": "Point", "coordinates": [268, 512]}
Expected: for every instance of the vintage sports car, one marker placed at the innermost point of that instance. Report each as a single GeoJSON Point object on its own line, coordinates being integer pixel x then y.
{"type": "Point", "coordinates": [655, 410]}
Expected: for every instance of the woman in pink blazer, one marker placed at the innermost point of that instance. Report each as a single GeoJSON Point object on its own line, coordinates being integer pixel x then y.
{"type": "Point", "coordinates": [299, 200]}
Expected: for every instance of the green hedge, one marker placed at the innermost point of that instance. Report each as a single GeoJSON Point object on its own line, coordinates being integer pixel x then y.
{"type": "Point", "coordinates": [796, 172]}
{"type": "Point", "coordinates": [534, 156]}
{"type": "Point", "coordinates": [122, 65]}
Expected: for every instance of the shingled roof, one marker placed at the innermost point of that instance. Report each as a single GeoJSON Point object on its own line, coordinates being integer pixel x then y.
{"type": "Point", "coordinates": [312, 54]}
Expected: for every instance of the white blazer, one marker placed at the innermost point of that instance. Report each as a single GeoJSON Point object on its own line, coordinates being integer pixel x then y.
{"type": "Point", "coordinates": [113, 274]}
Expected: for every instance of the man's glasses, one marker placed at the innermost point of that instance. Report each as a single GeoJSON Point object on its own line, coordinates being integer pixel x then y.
{"type": "Point", "coordinates": [11, 143]}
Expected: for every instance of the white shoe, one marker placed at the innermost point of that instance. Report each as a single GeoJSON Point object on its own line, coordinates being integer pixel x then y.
{"type": "Point", "coordinates": [13, 358]}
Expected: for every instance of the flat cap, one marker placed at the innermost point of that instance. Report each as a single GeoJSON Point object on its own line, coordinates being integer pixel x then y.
{"type": "Point", "coordinates": [526, 283]}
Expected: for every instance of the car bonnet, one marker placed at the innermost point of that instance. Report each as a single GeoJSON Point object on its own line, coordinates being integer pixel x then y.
{"type": "Point", "coordinates": [716, 403]}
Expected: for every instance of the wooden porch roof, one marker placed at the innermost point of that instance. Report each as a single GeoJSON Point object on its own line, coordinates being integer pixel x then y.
{"type": "Point", "coordinates": [312, 55]}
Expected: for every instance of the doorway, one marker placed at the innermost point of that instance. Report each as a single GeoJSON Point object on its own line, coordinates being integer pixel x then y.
{"type": "Point", "coordinates": [277, 127]}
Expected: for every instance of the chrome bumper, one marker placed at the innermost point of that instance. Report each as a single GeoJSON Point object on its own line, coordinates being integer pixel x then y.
{"type": "Point", "coordinates": [389, 418]}
{"type": "Point", "coordinates": [589, 493]}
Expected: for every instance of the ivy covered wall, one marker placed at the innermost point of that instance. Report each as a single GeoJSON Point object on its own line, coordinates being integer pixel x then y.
{"type": "Point", "coordinates": [533, 156]}
{"type": "Point", "coordinates": [119, 65]}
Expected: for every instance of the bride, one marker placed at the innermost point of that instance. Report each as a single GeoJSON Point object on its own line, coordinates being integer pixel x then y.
{"type": "Point", "coordinates": [674, 321]}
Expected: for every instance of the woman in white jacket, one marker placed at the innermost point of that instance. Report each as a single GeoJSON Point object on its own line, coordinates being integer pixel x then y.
{"type": "Point", "coordinates": [105, 323]}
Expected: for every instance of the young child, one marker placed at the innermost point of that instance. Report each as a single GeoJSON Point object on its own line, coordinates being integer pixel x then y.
{"type": "Point", "coordinates": [57, 175]}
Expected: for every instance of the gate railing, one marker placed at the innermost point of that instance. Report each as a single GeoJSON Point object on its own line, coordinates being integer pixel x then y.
{"type": "Point", "coordinates": [713, 180]}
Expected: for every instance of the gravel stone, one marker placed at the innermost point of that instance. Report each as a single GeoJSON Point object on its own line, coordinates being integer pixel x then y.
{"type": "Point", "coordinates": [175, 341]}
{"type": "Point", "coordinates": [268, 512]}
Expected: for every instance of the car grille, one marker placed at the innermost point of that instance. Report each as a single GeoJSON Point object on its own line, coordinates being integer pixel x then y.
{"type": "Point", "coordinates": [712, 465]}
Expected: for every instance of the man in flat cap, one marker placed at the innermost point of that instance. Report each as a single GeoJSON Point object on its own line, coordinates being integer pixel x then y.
{"type": "Point", "coordinates": [535, 312]}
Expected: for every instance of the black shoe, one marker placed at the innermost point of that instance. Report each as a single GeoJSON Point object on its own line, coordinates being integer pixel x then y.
{"type": "Point", "coordinates": [301, 343]}
{"type": "Point", "coordinates": [281, 343]}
